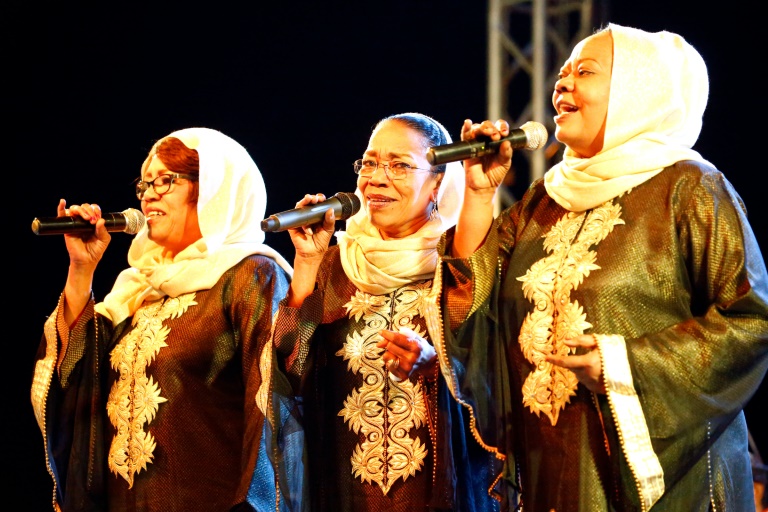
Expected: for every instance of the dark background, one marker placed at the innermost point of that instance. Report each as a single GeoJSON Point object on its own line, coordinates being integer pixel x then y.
{"type": "Point", "coordinates": [90, 87]}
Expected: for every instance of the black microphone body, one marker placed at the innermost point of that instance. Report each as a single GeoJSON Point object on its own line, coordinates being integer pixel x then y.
{"type": "Point", "coordinates": [531, 135]}
{"type": "Point", "coordinates": [129, 221]}
{"type": "Point", "coordinates": [344, 206]}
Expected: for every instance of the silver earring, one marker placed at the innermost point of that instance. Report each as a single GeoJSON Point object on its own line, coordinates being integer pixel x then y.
{"type": "Point", "coordinates": [434, 213]}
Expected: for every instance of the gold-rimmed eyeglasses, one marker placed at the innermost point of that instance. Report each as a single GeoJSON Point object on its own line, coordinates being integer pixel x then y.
{"type": "Point", "coordinates": [394, 170]}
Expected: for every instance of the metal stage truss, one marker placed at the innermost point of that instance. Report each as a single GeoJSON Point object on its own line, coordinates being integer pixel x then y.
{"type": "Point", "coordinates": [527, 43]}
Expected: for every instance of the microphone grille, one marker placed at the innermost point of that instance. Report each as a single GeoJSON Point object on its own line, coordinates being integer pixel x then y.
{"type": "Point", "coordinates": [350, 204]}
{"type": "Point", "coordinates": [535, 134]}
{"type": "Point", "coordinates": [134, 221]}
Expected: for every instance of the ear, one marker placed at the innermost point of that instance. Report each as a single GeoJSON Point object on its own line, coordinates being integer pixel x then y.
{"type": "Point", "coordinates": [436, 190]}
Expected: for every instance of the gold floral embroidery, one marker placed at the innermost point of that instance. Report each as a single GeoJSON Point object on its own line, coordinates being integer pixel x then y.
{"type": "Point", "coordinates": [548, 285]}
{"type": "Point", "coordinates": [134, 398]}
{"type": "Point", "coordinates": [382, 410]}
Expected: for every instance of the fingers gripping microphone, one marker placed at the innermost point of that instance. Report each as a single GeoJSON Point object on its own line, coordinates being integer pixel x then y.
{"type": "Point", "coordinates": [129, 221]}
{"type": "Point", "coordinates": [344, 206]}
{"type": "Point", "coordinates": [531, 135]}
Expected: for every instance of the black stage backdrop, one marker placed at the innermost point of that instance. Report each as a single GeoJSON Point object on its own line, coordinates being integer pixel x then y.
{"type": "Point", "coordinates": [90, 86]}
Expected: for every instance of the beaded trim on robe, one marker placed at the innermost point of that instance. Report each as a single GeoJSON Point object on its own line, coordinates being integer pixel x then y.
{"type": "Point", "coordinates": [382, 410]}
{"type": "Point", "coordinates": [548, 285]}
{"type": "Point", "coordinates": [135, 398]}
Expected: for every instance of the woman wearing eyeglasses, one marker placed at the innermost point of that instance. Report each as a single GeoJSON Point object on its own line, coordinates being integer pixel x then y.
{"type": "Point", "coordinates": [383, 431]}
{"type": "Point", "coordinates": [154, 399]}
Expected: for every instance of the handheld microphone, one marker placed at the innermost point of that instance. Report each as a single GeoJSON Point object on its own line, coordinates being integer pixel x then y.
{"type": "Point", "coordinates": [129, 221]}
{"type": "Point", "coordinates": [344, 206]}
{"type": "Point", "coordinates": [531, 135]}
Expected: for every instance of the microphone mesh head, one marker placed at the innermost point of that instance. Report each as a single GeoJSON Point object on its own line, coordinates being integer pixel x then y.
{"type": "Point", "coordinates": [535, 134]}
{"type": "Point", "coordinates": [134, 221]}
{"type": "Point", "coordinates": [350, 204]}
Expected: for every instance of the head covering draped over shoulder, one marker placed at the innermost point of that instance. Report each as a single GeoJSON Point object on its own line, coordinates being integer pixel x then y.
{"type": "Point", "coordinates": [231, 205]}
{"type": "Point", "coordinates": [379, 266]}
{"type": "Point", "coordinates": [659, 90]}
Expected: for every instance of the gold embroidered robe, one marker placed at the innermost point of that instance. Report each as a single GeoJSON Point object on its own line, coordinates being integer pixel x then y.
{"type": "Point", "coordinates": [159, 413]}
{"type": "Point", "coordinates": [674, 269]}
{"type": "Point", "coordinates": [375, 444]}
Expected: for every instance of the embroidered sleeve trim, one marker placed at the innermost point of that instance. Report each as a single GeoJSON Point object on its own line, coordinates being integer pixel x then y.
{"type": "Point", "coordinates": [41, 384]}
{"type": "Point", "coordinates": [630, 420]}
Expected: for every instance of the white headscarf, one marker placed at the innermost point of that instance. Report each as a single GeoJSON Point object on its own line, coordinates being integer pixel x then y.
{"type": "Point", "coordinates": [230, 208]}
{"type": "Point", "coordinates": [379, 266]}
{"type": "Point", "coordinates": [659, 89]}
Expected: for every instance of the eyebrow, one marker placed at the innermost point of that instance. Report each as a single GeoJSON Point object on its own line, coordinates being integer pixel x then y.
{"type": "Point", "coordinates": [159, 173]}
{"type": "Point", "coordinates": [390, 155]}
{"type": "Point", "coordinates": [591, 59]}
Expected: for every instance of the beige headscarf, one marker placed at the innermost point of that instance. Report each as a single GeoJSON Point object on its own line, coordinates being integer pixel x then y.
{"type": "Point", "coordinates": [379, 266]}
{"type": "Point", "coordinates": [230, 209]}
{"type": "Point", "coordinates": [659, 89]}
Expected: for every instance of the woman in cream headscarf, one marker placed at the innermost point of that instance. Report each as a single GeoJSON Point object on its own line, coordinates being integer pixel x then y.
{"type": "Point", "coordinates": [629, 292]}
{"type": "Point", "coordinates": [148, 400]}
{"type": "Point", "coordinates": [356, 327]}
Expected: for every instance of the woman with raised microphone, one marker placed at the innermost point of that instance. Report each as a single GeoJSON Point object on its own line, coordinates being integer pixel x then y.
{"type": "Point", "coordinates": [158, 397]}
{"type": "Point", "coordinates": [625, 293]}
{"type": "Point", "coordinates": [356, 330]}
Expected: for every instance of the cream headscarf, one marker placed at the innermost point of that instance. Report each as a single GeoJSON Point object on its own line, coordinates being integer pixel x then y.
{"type": "Point", "coordinates": [659, 89]}
{"type": "Point", "coordinates": [230, 208]}
{"type": "Point", "coordinates": [379, 266]}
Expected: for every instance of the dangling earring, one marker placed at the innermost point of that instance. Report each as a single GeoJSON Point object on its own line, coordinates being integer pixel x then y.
{"type": "Point", "coordinates": [434, 213]}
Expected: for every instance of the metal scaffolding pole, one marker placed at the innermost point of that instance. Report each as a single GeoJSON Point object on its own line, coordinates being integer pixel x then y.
{"type": "Point", "coordinates": [528, 40]}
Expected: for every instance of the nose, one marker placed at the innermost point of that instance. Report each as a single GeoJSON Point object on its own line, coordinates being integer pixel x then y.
{"type": "Point", "coordinates": [563, 84]}
{"type": "Point", "coordinates": [380, 177]}
{"type": "Point", "coordinates": [150, 193]}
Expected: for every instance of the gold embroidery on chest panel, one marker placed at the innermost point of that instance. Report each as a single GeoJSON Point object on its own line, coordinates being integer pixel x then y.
{"type": "Point", "coordinates": [134, 398]}
{"type": "Point", "coordinates": [554, 318]}
{"type": "Point", "coordinates": [382, 410]}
